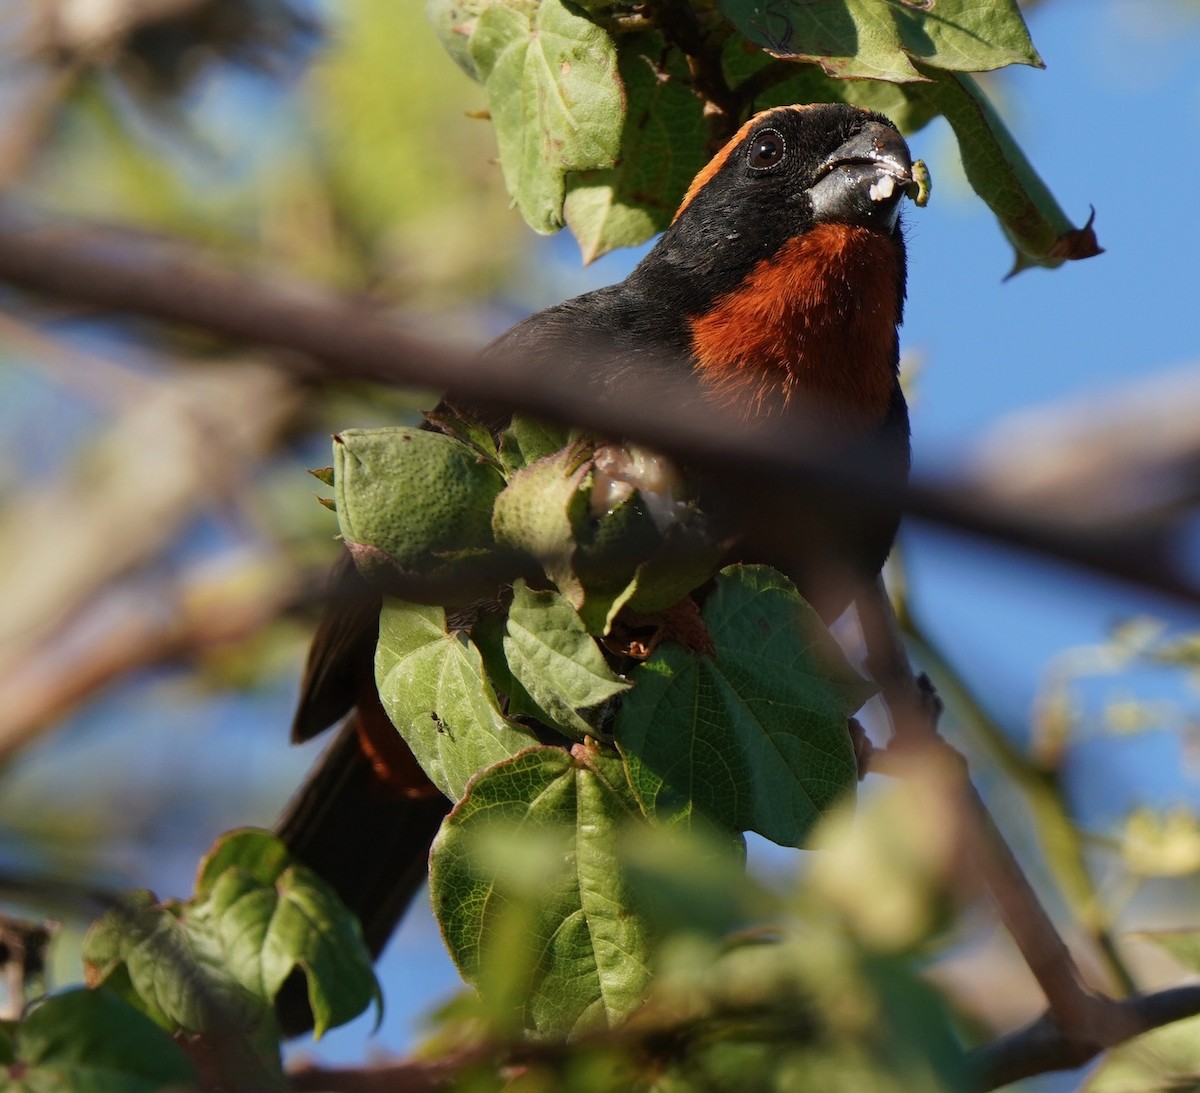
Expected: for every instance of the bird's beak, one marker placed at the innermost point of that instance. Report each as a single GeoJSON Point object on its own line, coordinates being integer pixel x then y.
{"type": "Point", "coordinates": [863, 180]}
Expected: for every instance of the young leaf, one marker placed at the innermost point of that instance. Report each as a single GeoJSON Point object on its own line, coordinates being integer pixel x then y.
{"type": "Point", "coordinates": [466, 430]}
{"type": "Point", "coordinates": [755, 735]}
{"type": "Point", "coordinates": [555, 99]}
{"type": "Point", "coordinates": [434, 690]}
{"type": "Point", "coordinates": [297, 923]}
{"type": "Point", "coordinates": [169, 967]}
{"type": "Point", "coordinates": [556, 660]}
{"type": "Point", "coordinates": [92, 1040]}
{"type": "Point", "coordinates": [537, 512]}
{"type": "Point", "coordinates": [269, 916]}
{"type": "Point", "coordinates": [527, 889]}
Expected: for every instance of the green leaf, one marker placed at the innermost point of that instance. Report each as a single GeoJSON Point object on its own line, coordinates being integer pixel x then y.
{"type": "Point", "coordinates": [556, 660]}
{"type": "Point", "coordinates": [466, 430]}
{"type": "Point", "coordinates": [798, 82]}
{"type": "Point", "coordinates": [434, 690]}
{"type": "Point", "coordinates": [877, 39]}
{"type": "Point", "coordinates": [695, 882]}
{"type": "Point", "coordinates": [265, 932]}
{"type": "Point", "coordinates": [527, 889]}
{"type": "Point", "coordinates": [170, 967]}
{"type": "Point", "coordinates": [91, 1041]}
{"type": "Point", "coordinates": [453, 21]}
{"type": "Point", "coordinates": [754, 736]}
{"type": "Point", "coordinates": [555, 99]}
{"type": "Point", "coordinates": [964, 35]}
{"type": "Point", "coordinates": [258, 854]}
{"type": "Point", "coordinates": [1035, 224]}
{"type": "Point", "coordinates": [663, 146]}
{"type": "Point", "coordinates": [218, 961]}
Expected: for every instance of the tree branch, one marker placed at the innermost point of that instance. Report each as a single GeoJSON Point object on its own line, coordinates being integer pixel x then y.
{"type": "Point", "coordinates": [337, 339]}
{"type": "Point", "coordinates": [1079, 1023]}
{"type": "Point", "coordinates": [1042, 1046]}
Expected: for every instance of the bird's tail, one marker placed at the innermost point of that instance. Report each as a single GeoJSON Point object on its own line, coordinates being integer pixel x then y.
{"type": "Point", "coordinates": [365, 840]}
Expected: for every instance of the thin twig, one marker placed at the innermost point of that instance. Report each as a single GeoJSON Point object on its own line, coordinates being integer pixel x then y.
{"type": "Point", "coordinates": [1042, 1047]}
{"type": "Point", "coordinates": [1062, 847]}
{"type": "Point", "coordinates": [1085, 1022]}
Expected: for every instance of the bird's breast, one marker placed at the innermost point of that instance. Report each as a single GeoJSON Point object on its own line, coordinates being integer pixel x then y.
{"type": "Point", "coordinates": [816, 321]}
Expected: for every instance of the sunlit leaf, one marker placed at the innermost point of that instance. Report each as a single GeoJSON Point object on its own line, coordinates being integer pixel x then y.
{"type": "Point", "coordinates": [434, 690]}
{"type": "Point", "coordinates": [555, 99]}
{"type": "Point", "coordinates": [526, 886]}
{"type": "Point", "coordinates": [876, 39]}
{"type": "Point", "coordinates": [663, 145]}
{"type": "Point", "coordinates": [755, 735]}
{"type": "Point", "coordinates": [556, 660]}
{"type": "Point", "coordinates": [1039, 230]}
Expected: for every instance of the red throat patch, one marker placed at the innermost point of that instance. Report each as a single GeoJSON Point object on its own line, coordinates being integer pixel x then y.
{"type": "Point", "coordinates": [818, 318]}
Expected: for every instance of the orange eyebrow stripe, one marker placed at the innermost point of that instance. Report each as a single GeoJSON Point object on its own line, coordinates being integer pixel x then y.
{"type": "Point", "coordinates": [722, 157]}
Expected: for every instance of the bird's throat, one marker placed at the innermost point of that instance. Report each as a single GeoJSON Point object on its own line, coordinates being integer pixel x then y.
{"type": "Point", "coordinates": [814, 324]}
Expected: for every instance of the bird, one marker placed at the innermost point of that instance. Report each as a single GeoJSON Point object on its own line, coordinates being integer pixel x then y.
{"type": "Point", "coordinates": [776, 291]}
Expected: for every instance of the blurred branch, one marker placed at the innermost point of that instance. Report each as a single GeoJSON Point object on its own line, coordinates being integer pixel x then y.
{"type": "Point", "coordinates": [178, 447]}
{"type": "Point", "coordinates": [340, 339]}
{"type": "Point", "coordinates": [107, 382]}
{"type": "Point", "coordinates": [915, 709]}
{"type": "Point", "coordinates": [1038, 1048]}
{"type": "Point", "coordinates": [29, 121]}
{"type": "Point", "coordinates": [61, 542]}
{"type": "Point", "coordinates": [152, 621]}
{"type": "Point", "coordinates": [1079, 1023]}
{"type": "Point", "coordinates": [1043, 1046]}
{"type": "Point", "coordinates": [1117, 456]}
{"type": "Point", "coordinates": [1059, 839]}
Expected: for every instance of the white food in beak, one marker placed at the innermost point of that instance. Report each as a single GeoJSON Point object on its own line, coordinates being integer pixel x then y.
{"type": "Point", "coordinates": [882, 188]}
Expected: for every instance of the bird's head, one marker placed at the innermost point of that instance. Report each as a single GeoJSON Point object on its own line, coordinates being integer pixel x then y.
{"type": "Point", "coordinates": [792, 168]}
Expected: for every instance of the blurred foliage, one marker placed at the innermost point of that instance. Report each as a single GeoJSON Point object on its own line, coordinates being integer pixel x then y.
{"type": "Point", "coordinates": [155, 507]}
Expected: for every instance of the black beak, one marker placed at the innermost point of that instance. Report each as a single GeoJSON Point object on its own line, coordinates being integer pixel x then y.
{"type": "Point", "coordinates": [863, 180]}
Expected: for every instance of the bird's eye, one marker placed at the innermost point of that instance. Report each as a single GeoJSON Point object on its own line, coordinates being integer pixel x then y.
{"type": "Point", "coordinates": [766, 150]}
